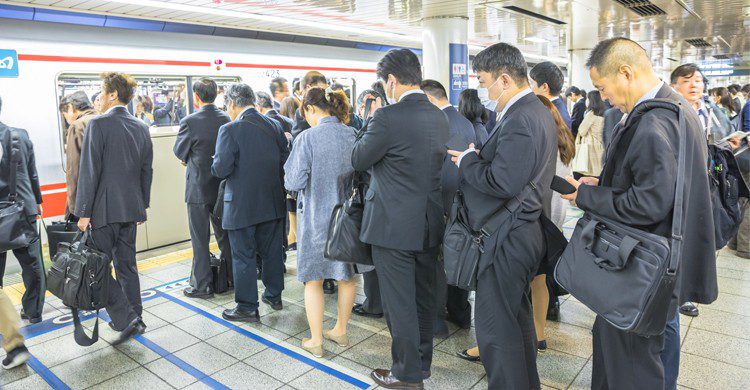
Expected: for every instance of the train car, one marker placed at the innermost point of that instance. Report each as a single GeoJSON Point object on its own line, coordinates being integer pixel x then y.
{"type": "Point", "coordinates": [54, 62]}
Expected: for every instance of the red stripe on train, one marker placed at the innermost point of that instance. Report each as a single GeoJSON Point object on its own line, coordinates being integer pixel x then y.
{"type": "Point", "coordinates": [54, 204]}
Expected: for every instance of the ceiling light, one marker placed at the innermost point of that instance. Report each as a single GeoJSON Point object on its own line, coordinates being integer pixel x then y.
{"type": "Point", "coordinates": [536, 40]}
{"type": "Point", "coordinates": [267, 18]}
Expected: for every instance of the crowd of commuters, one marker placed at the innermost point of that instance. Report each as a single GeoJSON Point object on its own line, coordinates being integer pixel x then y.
{"type": "Point", "coordinates": [265, 171]}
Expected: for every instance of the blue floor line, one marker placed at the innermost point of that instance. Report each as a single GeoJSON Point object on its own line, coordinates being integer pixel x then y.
{"type": "Point", "coordinates": [286, 351]}
{"type": "Point", "coordinates": [48, 376]}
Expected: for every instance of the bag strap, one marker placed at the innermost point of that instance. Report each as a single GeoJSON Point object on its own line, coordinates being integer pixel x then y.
{"type": "Point", "coordinates": [79, 334]}
{"type": "Point", "coordinates": [14, 157]}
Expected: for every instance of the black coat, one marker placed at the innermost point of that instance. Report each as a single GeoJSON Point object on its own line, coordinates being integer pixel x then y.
{"type": "Point", "coordinates": [579, 110]}
{"type": "Point", "coordinates": [195, 145]}
{"type": "Point", "coordinates": [250, 154]}
{"type": "Point", "coordinates": [611, 118]}
{"type": "Point", "coordinates": [114, 181]}
{"type": "Point", "coordinates": [640, 193]}
{"type": "Point", "coordinates": [403, 146]}
{"type": "Point", "coordinates": [286, 123]}
{"type": "Point", "coordinates": [27, 180]}
{"type": "Point", "coordinates": [461, 134]}
{"type": "Point", "coordinates": [480, 132]}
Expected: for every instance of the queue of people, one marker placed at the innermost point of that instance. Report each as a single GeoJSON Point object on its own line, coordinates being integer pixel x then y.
{"type": "Point", "coordinates": [265, 170]}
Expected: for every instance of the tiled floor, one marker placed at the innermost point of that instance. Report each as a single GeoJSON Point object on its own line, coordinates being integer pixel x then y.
{"type": "Point", "coordinates": [187, 345]}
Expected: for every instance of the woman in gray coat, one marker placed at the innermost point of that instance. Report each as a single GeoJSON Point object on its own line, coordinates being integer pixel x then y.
{"type": "Point", "coordinates": [320, 155]}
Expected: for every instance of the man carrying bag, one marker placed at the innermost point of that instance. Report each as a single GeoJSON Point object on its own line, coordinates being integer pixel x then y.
{"type": "Point", "coordinates": [647, 176]}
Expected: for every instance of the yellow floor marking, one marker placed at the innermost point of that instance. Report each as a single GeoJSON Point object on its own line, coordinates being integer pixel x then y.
{"type": "Point", "coordinates": [15, 291]}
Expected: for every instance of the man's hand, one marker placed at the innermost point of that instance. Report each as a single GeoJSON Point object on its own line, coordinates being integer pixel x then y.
{"type": "Point", "coordinates": [735, 142]}
{"type": "Point", "coordinates": [83, 223]}
{"type": "Point", "coordinates": [575, 183]}
{"type": "Point", "coordinates": [589, 181]}
{"type": "Point", "coordinates": [456, 153]}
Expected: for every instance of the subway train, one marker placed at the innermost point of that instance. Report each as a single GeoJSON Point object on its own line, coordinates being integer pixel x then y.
{"type": "Point", "coordinates": [55, 61]}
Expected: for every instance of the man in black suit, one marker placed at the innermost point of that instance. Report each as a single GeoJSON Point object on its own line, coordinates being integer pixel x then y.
{"type": "Point", "coordinates": [637, 188]}
{"type": "Point", "coordinates": [114, 191]}
{"type": "Point", "coordinates": [194, 146]}
{"type": "Point", "coordinates": [27, 190]}
{"type": "Point", "coordinates": [546, 79]}
{"type": "Point", "coordinates": [279, 90]}
{"type": "Point", "coordinates": [517, 161]}
{"type": "Point", "coordinates": [264, 104]}
{"type": "Point", "coordinates": [578, 97]}
{"type": "Point", "coordinates": [452, 302]}
{"type": "Point", "coordinates": [250, 155]}
{"type": "Point", "coordinates": [403, 148]}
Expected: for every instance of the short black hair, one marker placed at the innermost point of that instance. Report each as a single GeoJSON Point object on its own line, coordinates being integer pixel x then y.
{"type": "Point", "coordinates": [434, 89]}
{"type": "Point", "coordinates": [548, 73]}
{"type": "Point", "coordinates": [471, 107]}
{"type": "Point", "coordinates": [502, 58]}
{"type": "Point", "coordinates": [745, 88]}
{"type": "Point", "coordinates": [734, 88]}
{"type": "Point", "coordinates": [277, 84]}
{"type": "Point", "coordinates": [313, 78]}
{"type": "Point", "coordinates": [241, 95]}
{"type": "Point", "coordinates": [206, 90]}
{"type": "Point", "coordinates": [378, 87]}
{"type": "Point", "coordinates": [264, 100]}
{"type": "Point", "coordinates": [684, 70]}
{"type": "Point", "coordinates": [78, 100]}
{"type": "Point", "coordinates": [402, 64]}
{"type": "Point", "coordinates": [595, 103]}
{"type": "Point", "coordinates": [573, 90]}
{"type": "Point", "coordinates": [609, 54]}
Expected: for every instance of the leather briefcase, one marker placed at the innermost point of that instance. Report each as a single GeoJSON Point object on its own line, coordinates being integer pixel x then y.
{"type": "Point", "coordinates": [16, 231]}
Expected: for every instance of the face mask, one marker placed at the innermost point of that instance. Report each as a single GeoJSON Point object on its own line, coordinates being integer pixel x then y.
{"type": "Point", "coordinates": [392, 98]}
{"type": "Point", "coordinates": [484, 97]}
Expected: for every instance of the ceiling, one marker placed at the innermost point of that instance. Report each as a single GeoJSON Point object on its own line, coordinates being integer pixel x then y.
{"type": "Point", "coordinates": [723, 24]}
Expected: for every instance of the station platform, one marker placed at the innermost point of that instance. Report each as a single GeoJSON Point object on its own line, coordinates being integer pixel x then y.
{"type": "Point", "coordinates": [188, 344]}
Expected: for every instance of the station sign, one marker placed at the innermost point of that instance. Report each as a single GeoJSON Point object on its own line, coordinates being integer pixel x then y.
{"type": "Point", "coordinates": [8, 63]}
{"type": "Point", "coordinates": [459, 70]}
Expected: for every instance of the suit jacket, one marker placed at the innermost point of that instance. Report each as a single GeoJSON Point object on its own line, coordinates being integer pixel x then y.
{"type": "Point", "coordinates": [73, 145]}
{"type": "Point", "coordinates": [523, 146]}
{"type": "Point", "coordinates": [300, 124]}
{"type": "Point", "coordinates": [114, 181]}
{"type": "Point", "coordinates": [285, 123]}
{"type": "Point", "coordinates": [461, 134]}
{"type": "Point", "coordinates": [579, 110]}
{"type": "Point", "coordinates": [611, 118]}
{"type": "Point", "coordinates": [195, 145]}
{"type": "Point", "coordinates": [563, 109]}
{"type": "Point", "coordinates": [638, 190]}
{"type": "Point", "coordinates": [27, 180]}
{"type": "Point", "coordinates": [250, 155]}
{"type": "Point", "coordinates": [403, 147]}
{"type": "Point", "coordinates": [480, 132]}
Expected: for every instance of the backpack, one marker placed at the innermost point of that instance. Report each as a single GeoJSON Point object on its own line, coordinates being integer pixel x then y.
{"type": "Point", "coordinates": [726, 186]}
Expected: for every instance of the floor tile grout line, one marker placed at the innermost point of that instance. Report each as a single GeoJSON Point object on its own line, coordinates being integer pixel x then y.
{"type": "Point", "coordinates": [713, 360]}
{"type": "Point", "coordinates": [579, 372]}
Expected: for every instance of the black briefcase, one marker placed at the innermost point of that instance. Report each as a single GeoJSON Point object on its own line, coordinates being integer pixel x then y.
{"type": "Point", "coordinates": [59, 232]}
{"type": "Point", "coordinates": [15, 229]}
{"type": "Point", "coordinates": [222, 275]}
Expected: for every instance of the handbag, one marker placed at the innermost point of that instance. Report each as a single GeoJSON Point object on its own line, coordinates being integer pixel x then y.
{"type": "Point", "coordinates": [580, 161]}
{"type": "Point", "coordinates": [16, 231]}
{"type": "Point", "coordinates": [80, 276]}
{"type": "Point", "coordinates": [343, 243]}
{"type": "Point", "coordinates": [624, 274]}
{"type": "Point", "coordinates": [59, 232]}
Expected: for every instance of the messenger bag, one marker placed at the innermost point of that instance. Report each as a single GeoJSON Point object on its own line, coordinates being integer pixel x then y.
{"type": "Point", "coordinates": [15, 229]}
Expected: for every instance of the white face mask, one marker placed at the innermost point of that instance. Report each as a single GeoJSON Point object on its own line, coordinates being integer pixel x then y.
{"type": "Point", "coordinates": [484, 97]}
{"type": "Point", "coordinates": [391, 99]}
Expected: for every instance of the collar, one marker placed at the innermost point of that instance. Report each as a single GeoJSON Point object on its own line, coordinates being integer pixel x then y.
{"type": "Point", "coordinates": [651, 93]}
{"type": "Point", "coordinates": [556, 98]}
{"type": "Point", "coordinates": [446, 106]}
{"type": "Point", "coordinates": [328, 119]}
{"type": "Point", "coordinates": [113, 108]}
{"type": "Point", "coordinates": [271, 111]}
{"type": "Point", "coordinates": [410, 92]}
{"type": "Point", "coordinates": [242, 113]}
{"type": "Point", "coordinates": [513, 100]}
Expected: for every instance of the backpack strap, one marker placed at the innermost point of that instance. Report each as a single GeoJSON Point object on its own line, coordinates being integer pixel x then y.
{"type": "Point", "coordinates": [15, 155]}
{"type": "Point", "coordinates": [79, 334]}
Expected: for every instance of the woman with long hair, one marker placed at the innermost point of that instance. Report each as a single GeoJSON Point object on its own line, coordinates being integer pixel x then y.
{"type": "Point", "coordinates": [471, 107]}
{"type": "Point", "coordinates": [724, 101]}
{"type": "Point", "coordinates": [590, 134]}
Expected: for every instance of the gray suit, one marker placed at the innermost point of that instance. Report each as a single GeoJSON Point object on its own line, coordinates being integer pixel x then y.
{"type": "Point", "coordinates": [521, 148]}
{"type": "Point", "coordinates": [27, 190]}
{"type": "Point", "coordinates": [195, 145]}
{"type": "Point", "coordinates": [114, 190]}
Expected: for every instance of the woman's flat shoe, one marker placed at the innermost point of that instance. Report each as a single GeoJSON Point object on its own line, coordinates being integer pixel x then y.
{"type": "Point", "coordinates": [342, 341]}
{"type": "Point", "coordinates": [465, 355]}
{"type": "Point", "coordinates": [316, 350]}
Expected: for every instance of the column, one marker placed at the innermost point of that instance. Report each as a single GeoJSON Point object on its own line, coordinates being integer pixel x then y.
{"type": "Point", "coordinates": [445, 53]}
{"type": "Point", "coordinates": [583, 31]}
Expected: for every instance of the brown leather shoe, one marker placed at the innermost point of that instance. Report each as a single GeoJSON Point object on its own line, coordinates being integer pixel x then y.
{"type": "Point", "coordinates": [384, 378]}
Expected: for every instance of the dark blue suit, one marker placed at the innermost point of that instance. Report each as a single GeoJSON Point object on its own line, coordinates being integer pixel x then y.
{"type": "Point", "coordinates": [560, 104]}
{"type": "Point", "coordinates": [250, 154]}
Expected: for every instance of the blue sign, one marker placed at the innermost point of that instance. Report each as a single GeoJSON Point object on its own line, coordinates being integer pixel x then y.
{"type": "Point", "coordinates": [8, 63]}
{"type": "Point", "coordinates": [459, 75]}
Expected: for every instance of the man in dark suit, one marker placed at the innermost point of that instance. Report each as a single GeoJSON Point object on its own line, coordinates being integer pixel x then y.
{"type": "Point", "coordinates": [27, 190]}
{"type": "Point", "coordinates": [114, 191]}
{"type": "Point", "coordinates": [279, 90]}
{"type": "Point", "coordinates": [250, 155]}
{"type": "Point", "coordinates": [452, 302]}
{"type": "Point", "coordinates": [517, 161]}
{"type": "Point", "coordinates": [637, 188]}
{"type": "Point", "coordinates": [546, 79]}
{"type": "Point", "coordinates": [403, 148]}
{"type": "Point", "coordinates": [264, 104]}
{"type": "Point", "coordinates": [578, 97]}
{"type": "Point", "coordinates": [194, 146]}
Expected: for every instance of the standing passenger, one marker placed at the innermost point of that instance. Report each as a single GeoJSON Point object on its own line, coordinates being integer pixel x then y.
{"type": "Point", "coordinates": [266, 106]}
{"type": "Point", "coordinates": [194, 146]}
{"type": "Point", "coordinates": [250, 154]}
{"type": "Point", "coordinates": [547, 80]}
{"type": "Point", "coordinates": [114, 191]}
{"type": "Point", "coordinates": [403, 147]}
{"type": "Point", "coordinates": [279, 90]}
{"type": "Point", "coordinates": [320, 157]}
{"type": "Point", "coordinates": [78, 112]}
{"type": "Point", "coordinates": [590, 133]}
{"type": "Point", "coordinates": [518, 157]}
{"type": "Point", "coordinates": [578, 97]}
{"type": "Point", "coordinates": [472, 109]}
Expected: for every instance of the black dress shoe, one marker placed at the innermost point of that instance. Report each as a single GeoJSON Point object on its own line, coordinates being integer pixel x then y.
{"type": "Point", "coordinates": [465, 355]}
{"type": "Point", "coordinates": [426, 374]}
{"type": "Point", "coordinates": [541, 346]}
{"type": "Point", "coordinates": [195, 293]}
{"type": "Point", "coordinates": [34, 320]}
{"type": "Point", "coordinates": [689, 309]}
{"type": "Point", "coordinates": [553, 313]}
{"type": "Point", "coordinates": [113, 327]}
{"type": "Point", "coordinates": [141, 327]}
{"type": "Point", "coordinates": [359, 310]}
{"type": "Point", "coordinates": [384, 378]}
{"type": "Point", "coordinates": [274, 305]}
{"type": "Point", "coordinates": [241, 316]}
{"type": "Point", "coordinates": [131, 330]}
{"type": "Point", "coordinates": [329, 287]}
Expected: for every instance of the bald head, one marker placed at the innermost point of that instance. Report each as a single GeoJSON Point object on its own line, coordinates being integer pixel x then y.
{"type": "Point", "coordinates": [609, 55]}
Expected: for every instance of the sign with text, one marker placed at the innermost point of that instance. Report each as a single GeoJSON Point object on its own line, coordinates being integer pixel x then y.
{"type": "Point", "coordinates": [459, 77]}
{"type": "Point", "coordinates": [8, 63]}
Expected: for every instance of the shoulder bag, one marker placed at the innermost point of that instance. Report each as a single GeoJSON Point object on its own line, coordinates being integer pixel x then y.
{"type": "Point", "coordinates": [343, 243]}
{"type": "Point", "coordinates": [15, 229]}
